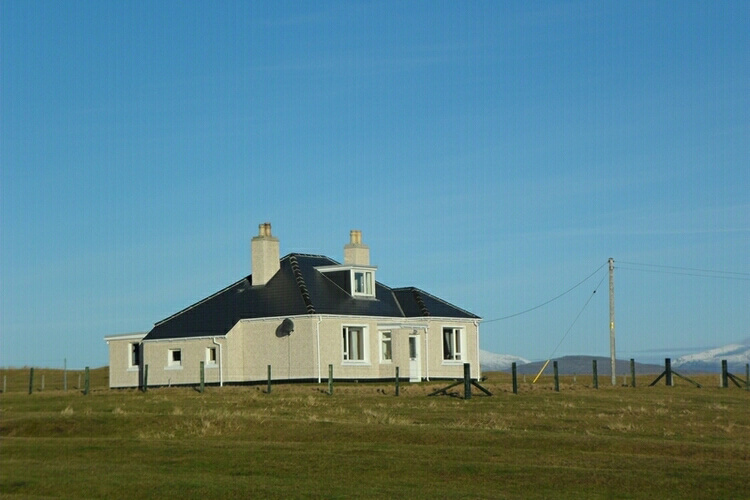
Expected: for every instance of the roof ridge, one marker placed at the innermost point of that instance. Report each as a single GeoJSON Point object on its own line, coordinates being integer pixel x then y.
{"type": "Point", "coordinates": [301, 284]}
{"type": "Point", "coordinates": [438, 299]}
{"type": "Point", "coordinates": [297, 254]}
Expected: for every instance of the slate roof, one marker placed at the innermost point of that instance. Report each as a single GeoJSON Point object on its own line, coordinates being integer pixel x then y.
{"type": "Point", "coordinates": [297, 289]}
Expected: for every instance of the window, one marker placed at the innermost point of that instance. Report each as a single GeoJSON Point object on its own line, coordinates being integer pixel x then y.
{"type": "Point", "coordinates": [452, 348]}
{"type": "Point", "coordinates": [362, 283]}
{"type": "Point", "coordinates": [354, 343]}
{"type": "Point", "coordinates": [386, 347]}
{"type": "Point", "coordinates": [210, 355]}
{"type": "Point", "coordinates": [175, 358]}
{"type": "Point", "coordinates": [135, 355]}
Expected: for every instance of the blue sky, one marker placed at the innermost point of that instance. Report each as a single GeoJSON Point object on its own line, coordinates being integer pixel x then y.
{"type": "Point", "coordinates": [494, 154]}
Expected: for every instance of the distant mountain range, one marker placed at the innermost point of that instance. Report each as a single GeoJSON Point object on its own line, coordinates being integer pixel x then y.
{"type": "Point", "coordinates": [737, 356]}
{"type": "Point", "coordinates": [709, 361]}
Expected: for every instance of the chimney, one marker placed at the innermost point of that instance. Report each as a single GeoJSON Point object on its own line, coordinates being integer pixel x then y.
{"type": "Point", "coordinates": [356, 253]}
{"type": "Point", "coordinates": [264, 250]}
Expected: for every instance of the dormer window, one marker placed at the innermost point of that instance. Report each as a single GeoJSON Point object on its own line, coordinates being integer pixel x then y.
{"type": "Point", "coordinates": [362, 283]}
{"type": "Point", "coordinates": [357, 281]}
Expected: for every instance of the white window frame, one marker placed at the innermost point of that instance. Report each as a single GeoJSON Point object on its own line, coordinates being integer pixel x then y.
{"type": "Point", "coordinates": [456, 342]}
{"type": "Point", "coordinates": [346, 347]}
{"type": "Point", "coordinates": [368, 282]}
{"type": "Point", "coordinates": [383, 341]}
{"type": "Point", "coordinates": [173, 364]}
{"type": "Point", "coordinates": [134, 347]}
{"type": "Point", "coordinates": [211, 362]}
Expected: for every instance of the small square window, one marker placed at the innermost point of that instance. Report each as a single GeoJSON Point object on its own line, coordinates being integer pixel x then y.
{"type": "Point", "coordinates": [211, 356]}
{"type": "Point", "coordinates": [175, 357]}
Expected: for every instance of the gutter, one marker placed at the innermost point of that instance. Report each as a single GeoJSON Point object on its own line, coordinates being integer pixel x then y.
{"type": "Point", "coordinates": [221, 363]}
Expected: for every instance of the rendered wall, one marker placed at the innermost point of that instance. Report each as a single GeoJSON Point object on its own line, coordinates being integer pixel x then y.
{"type": "Point", "coordinates": [121, 374]}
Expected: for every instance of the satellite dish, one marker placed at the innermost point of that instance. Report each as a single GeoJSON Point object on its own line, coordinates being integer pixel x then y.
{"type": "Point", "coordinates": [285, 328]}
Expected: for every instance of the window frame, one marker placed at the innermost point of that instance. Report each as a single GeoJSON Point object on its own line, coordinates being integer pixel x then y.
{"type": "Point", "coordinates": [368, 282]}
{"type": "Point", "coordinates": [134, 353]}
{"type": "Point", "coordinates": [382, 345]}
{"type": "Point", "coordinates": [172, 363]}
{"type": "Point", "coordinates": [456, 343]}
{"type": "Point", "coordinates": [364, 347]}
{"type": "Point", "coordinates": [209, 351]}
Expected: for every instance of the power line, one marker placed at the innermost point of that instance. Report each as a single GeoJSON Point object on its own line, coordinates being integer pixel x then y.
{"type": "Point", "coordinates": [695, 274]}
{"type": "Point", "coordinates": [578, 316]}
{"type": "Point", "coordinates": [550, 300]}
{"type": "Point", "coordinates": [712, 271]}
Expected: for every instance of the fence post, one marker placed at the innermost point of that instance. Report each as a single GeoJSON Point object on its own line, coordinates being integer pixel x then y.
{"type": "Point", "coordinates": [5, 384]}
{"type": "Point", "coordinates": [724, 377]}
{"type": "Point", "coordinates": [596, 375]}
{"type": "Point", "coordinates": [747, 378]}
{"type": "Point", "coordinates": [668, 371]}
{"type": "Point", "coordinates": [557, 378]}
{"type": "Point", "coordinates": [203, 376]}
{"type": "Point", "coordinates": [65, 374]}
{"type": "Point", "coordinates": [31, 380]}
{"type": "Point", "coordinates": [79, 382]}
{"type": "Point", "coordinates": [514, 370]}
{"type": "Point", "coordinates": [42, 381]}
{"type": "Point", "coordinates": [632, 372]}
{"type": "Point", "coordinates": [397, 382]}
{"type": "Point", "coordinates": [330, 380]}
{"type": "Point", "coordinates": [467, 381]}
{"type": "Point", "coordinates": [145, 378]}
{"type": "Point", "coordinates": [86, 386]}
{"type": "Point", "coordinates": [268, 390]}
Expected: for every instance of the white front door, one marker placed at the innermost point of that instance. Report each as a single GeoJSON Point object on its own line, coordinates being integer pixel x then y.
{"type": "Point", "coordinates": [415, 367]}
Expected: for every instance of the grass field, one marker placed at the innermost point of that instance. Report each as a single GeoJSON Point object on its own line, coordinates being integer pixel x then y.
{"type": "Point", "coordinates": [299, 442]}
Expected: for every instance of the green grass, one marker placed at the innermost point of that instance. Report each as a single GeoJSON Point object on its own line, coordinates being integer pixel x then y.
{"type": "Point", "coordinates": [298, 442]}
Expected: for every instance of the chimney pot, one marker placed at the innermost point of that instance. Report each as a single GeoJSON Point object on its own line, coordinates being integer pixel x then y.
{"type": "Point", "coordinates": [356, 253]}
{"type": "Point", "coordinates": [264, 250]}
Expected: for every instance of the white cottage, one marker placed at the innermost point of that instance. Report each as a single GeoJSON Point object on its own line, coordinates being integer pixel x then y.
{"type": "Point", "coordinates": [299, 314]}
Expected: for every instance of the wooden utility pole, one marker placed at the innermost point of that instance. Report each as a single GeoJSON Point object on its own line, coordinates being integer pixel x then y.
{"type": "Point", "coordinates": [612, 318]}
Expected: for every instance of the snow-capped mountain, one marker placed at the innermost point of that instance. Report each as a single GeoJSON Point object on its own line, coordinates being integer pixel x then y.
{"type": "Point", "coordinates": [737, 356]}
{"type": "Point", "coordinates": [491, 362]}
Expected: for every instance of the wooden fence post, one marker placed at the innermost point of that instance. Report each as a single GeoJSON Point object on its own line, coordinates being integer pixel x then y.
{"type": "Point", "coordinates": [514, 370]}
{"type": "Point", "coordinates": [5, 384]}
{"type": "Point", "coordinates": [557, 378]}
{"type": "Point", "coordinates": [330, 380]}
{"type": "Point", "coordinates": [268, 389]}
{"type": "Point", "coordinates": [65, 374]}
{"type": "Point", "coordinates": [42, 381]}
{"type": "Point", "coordinates": [467, 381]}
{"type": "Point", "coordinates": [747, 378]}
{"type": "Point", "coordinates": [86, 384]}
{"type": "Point", "coordinates": [668, 370]}
{"type": "Point", "coordinates": [724, 377]}
{"type": "Point", "coordinates": [203, 376]}
{"type": "Point", "coordinates": [145, 378]}
{"type": "Point", "coordinates": [596, 375]}
{"type": "Point", "coordinates": [31, 380]}
{"type": "Point", "coordinates": [397, 382]}
{"type": "Point", "coordinates": [632, 372]}
{"type": "Point", "coordinates": [79, 382]}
